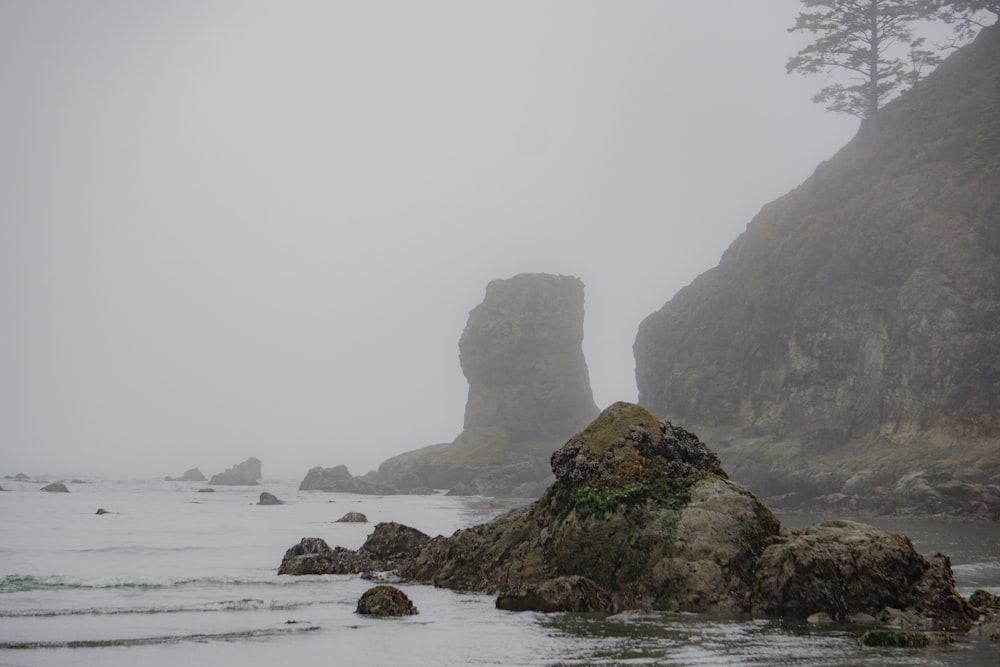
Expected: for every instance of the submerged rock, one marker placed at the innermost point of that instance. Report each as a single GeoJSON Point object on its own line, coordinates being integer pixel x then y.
{"type": "Point", "coordinates": [247, 473]}
{"type": "Point", "coordinates": [906, 638]}
{"type": "Point", "coordinates": [55, 487]}
{"type": "Point", "coordinates": [385, 601]}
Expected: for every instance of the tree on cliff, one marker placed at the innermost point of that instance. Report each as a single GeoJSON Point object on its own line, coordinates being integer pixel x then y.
{"type": "Point", "coordinates": [967, 16]}
{"type": "Point", "coordinates": [872, 41]}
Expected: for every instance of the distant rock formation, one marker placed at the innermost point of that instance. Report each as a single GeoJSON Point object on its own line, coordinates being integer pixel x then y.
{"type": "Point", "coordinates": [192, 475]}
{"type": "Point", "coordinates": [247, 473]}
{"type": "Point", "coordinates": [55, 487]}
{"type": "Point", "coordinates": [529, 390]}
{"type": "Point", "coordinates": [850, 337]}
{"type": "Point", "coordinates": [641, 516]}
{"type": "Point", "coordinates": [269, 499]}
{"type": "Point", "coordinates": [353, 517]}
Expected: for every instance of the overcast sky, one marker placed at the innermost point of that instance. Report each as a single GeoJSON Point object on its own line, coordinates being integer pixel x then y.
{"type": "Point", "coordinates": [233, 229]}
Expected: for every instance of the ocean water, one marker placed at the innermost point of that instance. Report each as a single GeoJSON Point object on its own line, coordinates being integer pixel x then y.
{"type": "Point", "coordinates": [173, 576]}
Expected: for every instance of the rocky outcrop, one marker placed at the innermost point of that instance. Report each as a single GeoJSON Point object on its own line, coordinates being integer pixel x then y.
{"type": "Point", "coordinates": [642, 516]}
{"type": "Point", "coordinates": [842, 568]}
{"type": "Point", "coordinates": [247, 473]}
{"type": "Point", "coordinates": [352, 517]}
{"type": "Point", "coordinates": [385, 601]}
{"type": "Point", "coordinates": [192, 475]}
{"type": "Point", "coordinates": [854, 327]}
{"type": "Point", "coordinates": [55, 487]}
{"type": "Point", "coordinates": [529, 389]}
{"type": "Point", "coordinates": [269, 499]}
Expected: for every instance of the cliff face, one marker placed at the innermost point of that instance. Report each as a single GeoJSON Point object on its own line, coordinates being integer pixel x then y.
{"type": "Point", "coordinates": [855, 325]}
{"type": "Point", "coordinates": [529, 390]}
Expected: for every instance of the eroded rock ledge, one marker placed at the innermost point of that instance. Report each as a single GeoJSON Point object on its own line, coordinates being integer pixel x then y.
{"type": "Point", "coordinates": [642, 516]}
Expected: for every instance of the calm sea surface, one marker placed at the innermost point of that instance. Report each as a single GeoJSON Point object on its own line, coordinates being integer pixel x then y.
{"type": "Point", "coordinates": [174, 576]}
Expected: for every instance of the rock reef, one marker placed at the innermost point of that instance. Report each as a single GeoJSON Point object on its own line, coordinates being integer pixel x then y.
{"type": "Point", "coordinates": [642, 516]}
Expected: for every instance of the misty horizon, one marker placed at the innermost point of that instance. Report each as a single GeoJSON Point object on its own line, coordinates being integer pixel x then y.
{"type": "Point", "coordinates": [243, 229]}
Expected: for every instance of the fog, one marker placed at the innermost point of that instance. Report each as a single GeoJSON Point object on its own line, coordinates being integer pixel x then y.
{"type": "Point", "coordinates": [233, 229]}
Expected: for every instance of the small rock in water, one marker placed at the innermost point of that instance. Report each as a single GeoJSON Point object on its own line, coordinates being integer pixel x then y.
{"type": "Point", "coordinates": [101, 510]}
{"type": "Point", "coordinates": [206, 490]}
{"type": "Point", "coordinates": [269, 499]}
{"type": "Point", "coordinates": [385, 601]}
{"type": "Point", "coordinates": [55, 487]}
{"type": "Point", "coordinates": [352, 517]}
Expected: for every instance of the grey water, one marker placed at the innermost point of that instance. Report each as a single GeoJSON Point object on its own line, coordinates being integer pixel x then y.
{"type": "Point", "coordinates": [176, 576]}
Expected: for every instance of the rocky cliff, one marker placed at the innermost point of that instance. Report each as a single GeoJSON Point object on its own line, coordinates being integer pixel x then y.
{"type": "Point", "coordinates": [847, 346]}
{"type": "Point", "coordinates": [529, 389]}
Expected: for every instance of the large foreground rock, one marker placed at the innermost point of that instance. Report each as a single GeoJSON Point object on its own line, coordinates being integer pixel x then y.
{"type": "Point", "coordinates": [247, 473]}
{"type": "Point", "coordinates": [641, 513]}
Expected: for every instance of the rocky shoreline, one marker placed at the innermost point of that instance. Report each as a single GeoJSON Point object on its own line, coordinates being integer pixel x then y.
{"type": "Point", "coordinates": [642, 516]}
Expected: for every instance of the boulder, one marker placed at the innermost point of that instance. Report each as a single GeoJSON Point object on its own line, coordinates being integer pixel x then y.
{"type": "Point", "coordinates": [269, 499]}
{"type": "Point", "coordinates": [311, 555]}
{"type": "Point", "coordinates": [352, 517]}
{"type": "Point", "coordinates": [842, 568]}
{"type": "Point", "coordinates": [567, 593]}
{"type": "Point", "coordinates": [192, 475]}
{"type": "Point", "coordinates": [639, 507]}
{"type": "Point", "coordinates": [247, 473]}
{"type": "Point", "coordinates": [100, 511]}
{"type": "Point", "coordinates": [390, 547]}
{"type": "Point", "coordinates": [385, 601]}
{"type": "Point", "coordinates": [55, 487]}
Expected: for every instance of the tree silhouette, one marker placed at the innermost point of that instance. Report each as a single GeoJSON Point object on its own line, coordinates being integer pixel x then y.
{"type": "Point", "coordinates": [869, 41]}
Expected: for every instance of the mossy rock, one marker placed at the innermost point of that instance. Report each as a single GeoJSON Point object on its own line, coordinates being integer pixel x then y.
{"type": "Point", "coordinates": [385, 601]}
